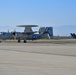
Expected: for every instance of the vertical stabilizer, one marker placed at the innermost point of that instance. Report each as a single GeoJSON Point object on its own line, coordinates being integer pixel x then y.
{"type": "Point", "coordinates": [50, 31]}
{"type": "Point", "coordinates": [46, 31]}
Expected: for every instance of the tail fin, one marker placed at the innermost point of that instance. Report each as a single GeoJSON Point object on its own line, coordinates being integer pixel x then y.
{"type": "Point", "coordinates": [46, 31]}
{"type": "Point", "coordinates": [73, 35]}
{"type": "Point", "coordinates": [50, 31]}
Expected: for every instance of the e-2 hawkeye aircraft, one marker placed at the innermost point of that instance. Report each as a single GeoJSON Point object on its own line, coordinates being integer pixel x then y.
{"type": "Point", "coordinates": [28, 33]}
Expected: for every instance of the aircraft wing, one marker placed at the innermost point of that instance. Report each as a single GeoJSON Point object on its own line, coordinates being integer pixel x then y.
{"type": "Point", "coordinates": [29, 32]}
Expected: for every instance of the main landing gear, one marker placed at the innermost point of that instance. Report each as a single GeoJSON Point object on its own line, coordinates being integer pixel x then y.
{"type": "Point", "coordinates": [19, 40]}
{"type": "Point", "coordinates": [25, 41]}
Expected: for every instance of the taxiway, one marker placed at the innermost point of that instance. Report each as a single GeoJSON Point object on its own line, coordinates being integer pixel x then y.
{"type": "Point", "coordinates": [37, 59]}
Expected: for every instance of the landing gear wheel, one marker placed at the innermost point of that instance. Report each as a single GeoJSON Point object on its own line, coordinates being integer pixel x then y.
{"type": "Point", "coordinates": [25, 41]}
{"type": "Point", "coordinates": [19, 41]}
{"type": "Point", "coordinates": [0, 41]}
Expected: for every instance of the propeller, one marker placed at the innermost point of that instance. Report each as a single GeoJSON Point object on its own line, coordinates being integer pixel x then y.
{"type": "Point", "coordinates": [14, 34]}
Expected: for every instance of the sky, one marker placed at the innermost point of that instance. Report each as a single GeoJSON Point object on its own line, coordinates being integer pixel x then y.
{"type": "Point", "coordinates": [44, 13]}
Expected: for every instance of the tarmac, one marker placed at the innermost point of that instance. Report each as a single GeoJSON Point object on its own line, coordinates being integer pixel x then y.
{"type": "Point", "coordinates": [39, 58]}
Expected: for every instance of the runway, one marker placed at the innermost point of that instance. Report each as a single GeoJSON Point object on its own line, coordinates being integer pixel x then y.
{"type": "Point", "coordinates": [37, 59]}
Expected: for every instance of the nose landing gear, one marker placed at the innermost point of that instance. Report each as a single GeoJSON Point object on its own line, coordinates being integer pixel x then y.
{"type": "Point", "coordinates": [25, 41]}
